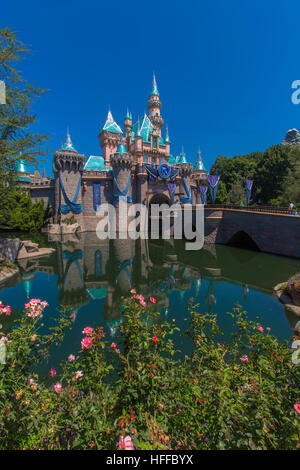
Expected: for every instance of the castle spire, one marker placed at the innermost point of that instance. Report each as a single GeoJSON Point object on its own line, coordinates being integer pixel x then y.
{"type": "Point", "coordinates": [68, 145]}
{"type": "Point", "coordinates": [110, 124]}
{"type": "Point", "coordinates": [199, 163]}
{"type": "Point", "coordinates": [154, 90]}
{"type": "Point", "coordinates": [167, 139]}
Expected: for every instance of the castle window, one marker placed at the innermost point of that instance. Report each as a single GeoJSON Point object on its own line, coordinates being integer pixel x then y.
{"type": "Point", "coordinates": [153, 159]}
{"type": "Point", "coordinates": [154, 142]}
{"type": "Point", "coordinates": [145, 159]}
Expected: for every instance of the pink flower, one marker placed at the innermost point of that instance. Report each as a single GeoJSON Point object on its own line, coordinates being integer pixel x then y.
{"type": "Point", "coordinates": [244, 358]}
{"type": "Point", "coordinates": [143, 303]}
{"type": "Point", "coordinates": [297, 407]}
{"type": "Point", "coordinates": [113, 345]}
{"type": "Point", "coordinates": [72, 315]}
{"type": "Point", "coordinates": [78, 374]}
{"type": "Point", "coordinates": [52, 372]}
{"type": "Point", "coordinates": [126, 443]}
{"type": "Point", "coordinates": [88, 330]}
{"type": "Point", "coordinates": [260, 328]}
{"type": "Point", "coordinates": [154, 339]}
{"type": "Point", "coordinates": [71, 358]}
{"type": "Point", "coordinates": [35, 307]}
{"type": "Point", "coordinates": [5, 310]}
{"type": "Point", "coordinates": [138, 297]}
{"type": "Point", "coordinates": [86, 343]}
{"type": "Point", "coordinates": [133, 291]}
{"type": "Point", "coordinates": [58, 387]}
{"type": "Point", "coordinates": [32, 382]}
{"type": "Point", "coordinates": [153, 300]}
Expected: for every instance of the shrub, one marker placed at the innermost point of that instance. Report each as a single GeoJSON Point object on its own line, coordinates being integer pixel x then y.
{"type": "Point", "coordinates": [236, 395]}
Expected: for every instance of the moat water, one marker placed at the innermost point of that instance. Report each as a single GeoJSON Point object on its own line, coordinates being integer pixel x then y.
{"type": "Point", "coordinates": [91, 276]}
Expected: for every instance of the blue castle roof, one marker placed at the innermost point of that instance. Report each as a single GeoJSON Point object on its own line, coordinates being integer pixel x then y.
{"type": "Point", "coordinates": [110, 125]}
{"type": "Point", "coordinates": [96, 163]}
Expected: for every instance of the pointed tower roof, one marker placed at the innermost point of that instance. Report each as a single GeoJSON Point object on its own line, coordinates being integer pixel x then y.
{"type": "Point", "coordinates": [68, 144]}
{"type": "Point", "coordinates": [127, 115]}
{"type": "Point", "coordinates": [110, 124]}
{"type": "Point", "coordinates": [154, 90]}
{"type": "Point", "coordinates": [144, 129]}
{"type": "Point", "coordinates": [121, 149]}
{"type": "Point", "coordinates": [199, 163]}
{"type": "Point", "coordinates": [167, 139]}
{"type": "Point", "coordinates": [21, 167]}
{"type": "Point", "coordinates": [182, 159]}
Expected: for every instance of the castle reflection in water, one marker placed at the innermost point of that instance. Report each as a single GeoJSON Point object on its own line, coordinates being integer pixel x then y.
{"type": "Point", "coordinates": [89, 269]}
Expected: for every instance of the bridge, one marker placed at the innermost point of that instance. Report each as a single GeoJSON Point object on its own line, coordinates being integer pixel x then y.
{"type": "Point", "coordinates": [265, 229]}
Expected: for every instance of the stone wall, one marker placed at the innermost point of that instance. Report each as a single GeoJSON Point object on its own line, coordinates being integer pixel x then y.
{"type": "Point", "coordinates": [272, 233]}
{"type": "Point", "coordinates": [45, 194]}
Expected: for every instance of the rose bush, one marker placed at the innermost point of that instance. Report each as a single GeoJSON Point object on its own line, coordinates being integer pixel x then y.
{"type": "Point", "coordinates": [243, 394]}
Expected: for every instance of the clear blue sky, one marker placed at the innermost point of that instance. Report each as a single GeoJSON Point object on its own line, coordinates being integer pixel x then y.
{"type": "Point", "coordinates": [224, 69]}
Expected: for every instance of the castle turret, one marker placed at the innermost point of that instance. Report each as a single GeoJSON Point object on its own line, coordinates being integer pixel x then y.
{"type": "Point", "coordinates": [128, 127]}
{"type": "Point", "coordinates": [199, 163]}
{"type": "Point", "coordinates": [109, 137]}
{"type": "Point", "coordinates": [167, 142]}
{"type": "Point", "coordinates": [154, 106]}
{"type": "Point", "coordinates": [67, 168]}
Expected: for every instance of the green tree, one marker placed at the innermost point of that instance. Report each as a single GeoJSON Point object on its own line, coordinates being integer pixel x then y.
{"type": "Point", "coordinates": [222, 195]}
{"type": "Point", "coordinates": [16, 140]}
{"type": "Point", "coordinates": [18, 212]}
{"type": "Point", "coordinates": [237, 194]}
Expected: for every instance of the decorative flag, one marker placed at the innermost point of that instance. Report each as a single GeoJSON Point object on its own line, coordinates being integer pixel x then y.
{"type": "Point", "coordinates": [96, 195]}
{"type": "Point", "coordinates": [249, 184]}
{"type": "Point", "coordinates": [171, 188]}
{"type": "Point", "coordinates": [213, 181]}
{"type": "Point", "coordinates": [203, 190]}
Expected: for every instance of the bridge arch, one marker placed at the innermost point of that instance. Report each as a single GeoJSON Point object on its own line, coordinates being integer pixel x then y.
{"type": "Point", "coordinates": [242, 239]}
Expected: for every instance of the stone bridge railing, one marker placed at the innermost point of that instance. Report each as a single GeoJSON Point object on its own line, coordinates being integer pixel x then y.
{"type": "Point", "coordinates": [265, 209]}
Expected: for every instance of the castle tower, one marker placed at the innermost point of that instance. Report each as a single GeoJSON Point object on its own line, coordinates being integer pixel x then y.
{"type": "Point", "coordinates": [121, 163]}
{"type": "Point", "coordinates": [109, 137]}
{"type": "Point", "coordinates": [128, 126]}
{"type": "Point", "coordinates": [154, 107]}
{"type": "Point", "coordinates": [67, 168]}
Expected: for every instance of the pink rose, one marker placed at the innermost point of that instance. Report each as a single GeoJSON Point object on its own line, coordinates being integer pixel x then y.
{"type": "Point", "coordinates": [113, 345]}
{"type": "Point", "coordinates": [52, 372]}
{"type": "Point", "coordinates": [88, 330]}
{"type": "Point", "coordinates": [86, 343]}
{"type": "Point", "coordinates": [143, 303]}
{"type": "Point", "coordinates": [133, 291]}
{"type": "Point", "coordinates": [78, 374]}
{"type": "Point", "coordinates": [58, 387]}
{"type": "Point", "coordinates": [154, 339]}
{"type": "Point", "coordinates": [153, 300]}
{"type": "Point", "coordinates": [244, 358]}
{"type": "Point", "coordinates": [260, 328]}
{"type": "Point", "coordinates": [297, 407]}
{"type": "Point", "coordinates": [71, 358]}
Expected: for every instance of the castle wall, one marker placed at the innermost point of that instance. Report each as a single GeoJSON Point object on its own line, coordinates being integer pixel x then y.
{"type": "Point", "coordinates": [45, 194]}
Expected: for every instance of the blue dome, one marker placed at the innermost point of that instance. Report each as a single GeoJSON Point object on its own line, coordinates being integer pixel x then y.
{"type": "Point", "coordinates": [121, 149]}
{"type": "Point", "coordinates": [96, 163]}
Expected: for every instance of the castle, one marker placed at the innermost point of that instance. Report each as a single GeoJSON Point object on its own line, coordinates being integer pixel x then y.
{"type": "Point", "coordinates": [136, 165]}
